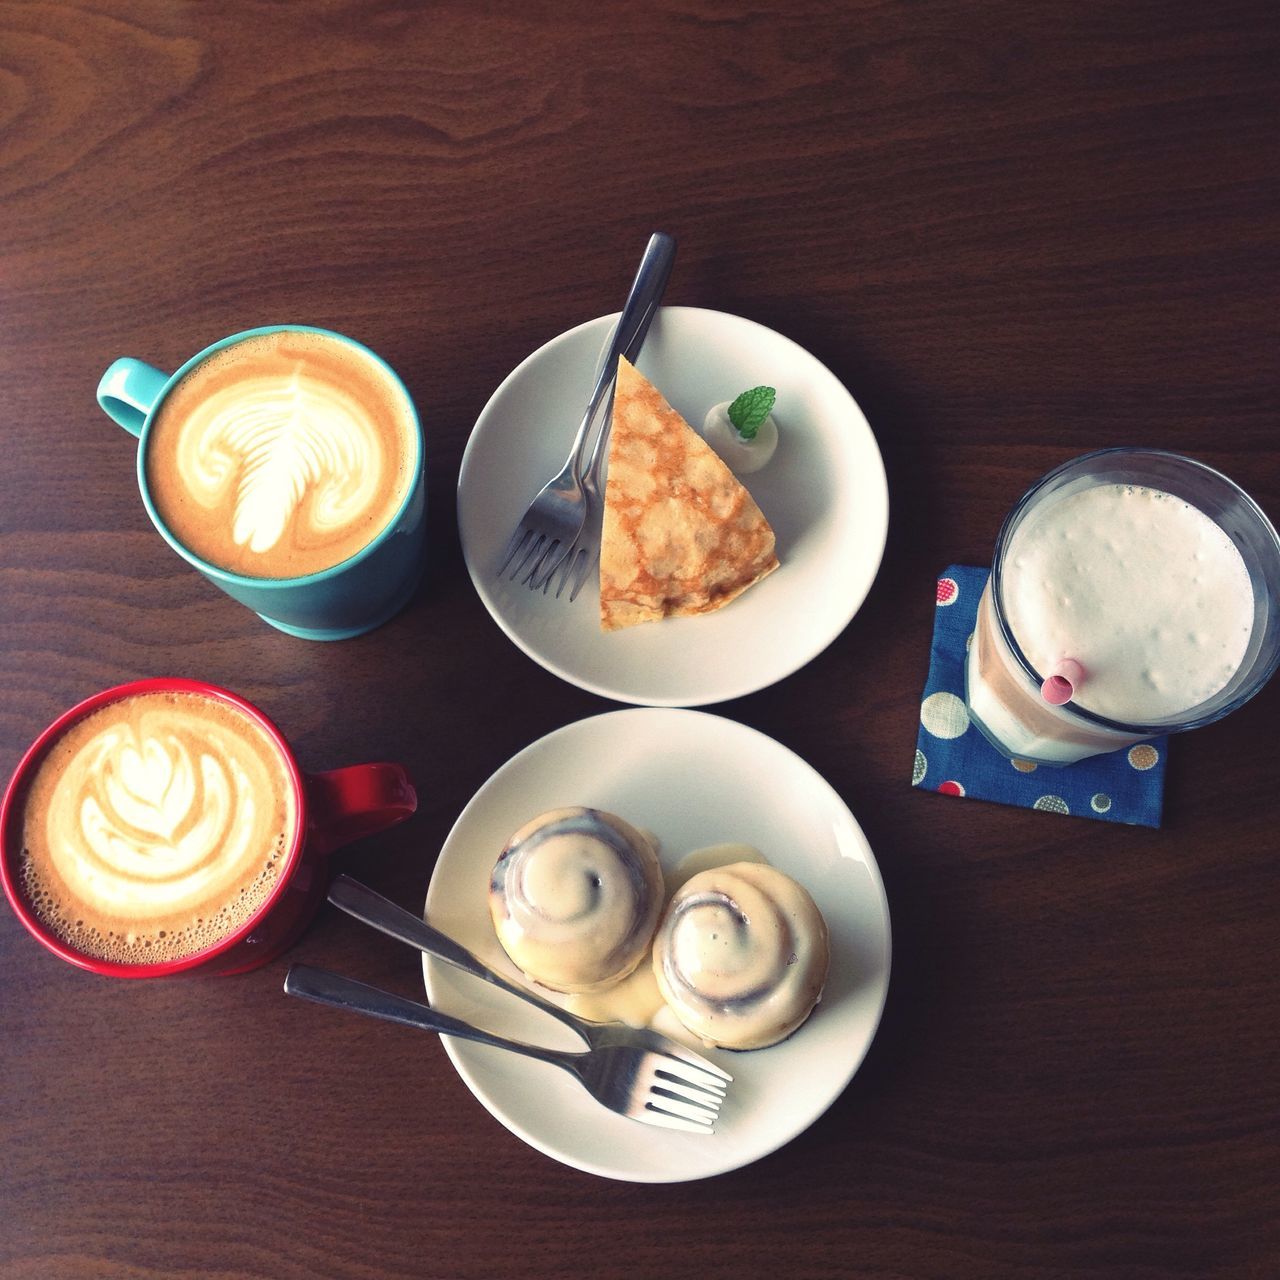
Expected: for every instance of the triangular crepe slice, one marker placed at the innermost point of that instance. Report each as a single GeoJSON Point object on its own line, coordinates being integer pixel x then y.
{"type": "Point", "coordinates": [681, 534]}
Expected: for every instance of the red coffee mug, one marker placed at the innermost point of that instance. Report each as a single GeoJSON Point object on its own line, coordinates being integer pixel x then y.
{"type": "Point", "coordinates": [333, 809]}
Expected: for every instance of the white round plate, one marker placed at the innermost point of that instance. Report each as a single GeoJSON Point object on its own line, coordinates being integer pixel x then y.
{"type": "Point", "coordinates": [694, 780]}
{"type": "Point", "coordinates": [824, 492]}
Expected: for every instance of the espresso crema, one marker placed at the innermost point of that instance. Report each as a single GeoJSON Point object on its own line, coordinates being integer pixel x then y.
{"type": "Point", "coordinates": [155, 827]}
{"type": "Point", "coordinates": [282, 454]}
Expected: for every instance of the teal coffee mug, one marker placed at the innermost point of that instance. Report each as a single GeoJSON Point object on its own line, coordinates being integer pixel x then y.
{"type": "Point", "coordinates": [286, 463]}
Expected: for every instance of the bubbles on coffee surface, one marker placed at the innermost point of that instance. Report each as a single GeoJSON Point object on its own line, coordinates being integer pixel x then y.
{"type": "Point", "coordinates": [155, 827]}
{"type": "Point", "coordinates": [123, 946]}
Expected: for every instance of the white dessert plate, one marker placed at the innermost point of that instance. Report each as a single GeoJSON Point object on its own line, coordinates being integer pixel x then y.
{"type": "Point", "coordinates": [694, 780]}
{"type": "Point", "coordinates": [824, 492]}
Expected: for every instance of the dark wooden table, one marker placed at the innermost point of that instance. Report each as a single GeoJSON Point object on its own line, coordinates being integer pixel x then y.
{"type": "Point", "coordinates": [1016, 232]}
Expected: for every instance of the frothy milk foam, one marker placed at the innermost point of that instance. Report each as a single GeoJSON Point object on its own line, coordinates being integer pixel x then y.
{"type": "Point", "coordinates": [1140, 587]}
{"type": "Point", "coordinates": [155, 827]}
{"type": "Point", "coordinates": [282, 454]}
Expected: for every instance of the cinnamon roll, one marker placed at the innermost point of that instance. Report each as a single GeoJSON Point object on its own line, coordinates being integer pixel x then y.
{"type": "Point", "coordinates": [574, 897]}
{"type": "Point", "coordinates": [741, 955]}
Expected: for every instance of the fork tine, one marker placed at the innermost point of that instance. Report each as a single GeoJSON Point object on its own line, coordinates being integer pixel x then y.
{"type": "Point", "coordinates": [662, 1112]}
{"type": "Point", "coordinates": [533, 550]}
{"type": "Point", "coordinates": [554, 556]}
{"type": "Point", "coordinates": [708, 1087]}
{"type": "Point", "coordinates": [584, 568]}
{"type": "Point", "coordinates": [567, 569]}
{"type": "Point", "coordinates": [531, 579]}
{"type": "Point", "coordinates": [671, 1096]}
{"type": "Point", "coordinates": [671, 1101]}
{"type": "Point", "coordinates": [694, 1070]}
{"type": "Point", "coordinates": [522, 534]}
{"type": "Point", "coordinates": [564, 570]}
{"type": "Point", "coordinates": [679, 1091]}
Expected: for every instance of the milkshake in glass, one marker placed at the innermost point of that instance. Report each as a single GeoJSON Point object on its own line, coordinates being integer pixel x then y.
{"type": "Point", "coordinates": [1133, 593]}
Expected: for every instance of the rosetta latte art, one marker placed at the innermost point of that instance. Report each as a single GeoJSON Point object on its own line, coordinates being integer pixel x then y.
{"type": "Point", "coordinates": [741, 955]}
{"type": "Point", "coordinates": [156, 826]}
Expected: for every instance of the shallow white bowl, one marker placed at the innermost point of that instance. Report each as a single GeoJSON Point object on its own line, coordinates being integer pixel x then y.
{"type": "Point", "coordinates": [824, 492]}
{"type": "Point", "coordinates": [694, 780]}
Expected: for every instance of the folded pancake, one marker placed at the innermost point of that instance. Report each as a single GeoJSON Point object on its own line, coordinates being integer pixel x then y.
{"type": "Point", "coordinates": [681, 534]}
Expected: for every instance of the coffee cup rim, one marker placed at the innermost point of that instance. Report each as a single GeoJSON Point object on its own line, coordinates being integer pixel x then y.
{"type": "Point", "coordinates": [16, 793]}
{"type": "Point", "coordinates": [214, 571]}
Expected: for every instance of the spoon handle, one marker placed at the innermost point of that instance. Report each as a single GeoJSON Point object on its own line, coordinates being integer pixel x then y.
{"type": "Point", "coordinates": [322, 987]}
{"type": "Point", "coordinates": [373, 909]}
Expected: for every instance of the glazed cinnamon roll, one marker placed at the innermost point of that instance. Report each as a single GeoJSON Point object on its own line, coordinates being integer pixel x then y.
{"type": "Point", "coordinates": [575, 896]}
{"type": "Point", "coordinates": [741, 955]}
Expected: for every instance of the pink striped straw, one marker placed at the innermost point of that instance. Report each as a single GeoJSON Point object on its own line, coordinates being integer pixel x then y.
{"type": "Point", "coordinates": [1061, 684]}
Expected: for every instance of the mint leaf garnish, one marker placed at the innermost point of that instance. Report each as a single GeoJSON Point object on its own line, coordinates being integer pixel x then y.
{"type": "Point", "coordinates": [750, 409]}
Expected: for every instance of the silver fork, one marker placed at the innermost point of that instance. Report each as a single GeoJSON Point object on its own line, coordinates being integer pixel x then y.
{"type": "Point", "coordinates": [581, 555]}
{"type": "Point", "coordinates": [633, 1082]}
{"type": "Point", "coordinates": [381, 913]}
{"type": "Point", "coordinates": [577, 564]}
{"type": "Point", "coordinates": [554, 519]}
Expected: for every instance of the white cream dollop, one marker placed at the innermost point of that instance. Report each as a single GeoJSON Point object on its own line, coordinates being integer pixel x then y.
{"type": "Point", "coordinates": [742, 457]}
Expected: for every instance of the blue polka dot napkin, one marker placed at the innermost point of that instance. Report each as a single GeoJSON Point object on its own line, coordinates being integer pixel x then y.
{"type": "Point", "coordinates": [954, 759]}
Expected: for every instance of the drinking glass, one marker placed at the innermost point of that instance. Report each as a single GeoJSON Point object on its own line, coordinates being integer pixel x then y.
{"type": "Point", "coordinates": [1003, 688]}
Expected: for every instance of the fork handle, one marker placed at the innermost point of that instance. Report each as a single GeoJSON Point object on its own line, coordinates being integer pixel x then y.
{"type": "Point", "coordinates": [630, 331]}
{"type": "Point", "coordinates": [637, 314]}
{"type": "Point", "coordinates": [322, 987]}
{"type": "Point", "coordinates": [642, 302]}
{"type": "Point", "coordinates": [381, 913]}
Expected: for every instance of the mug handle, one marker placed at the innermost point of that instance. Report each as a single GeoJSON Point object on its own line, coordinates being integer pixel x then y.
{"type": "Point", "coordinates": [359, 800]}
{"type": "Point", "coordinates": [129, 391]}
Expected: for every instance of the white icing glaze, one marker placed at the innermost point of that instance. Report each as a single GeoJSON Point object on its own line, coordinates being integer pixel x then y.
{"type": "Point", "coordinates": [574, 898]}
{"type": "Point", "coordinates": [637, 1000]}
{"type": "Point", "coordinates": [741, 955]}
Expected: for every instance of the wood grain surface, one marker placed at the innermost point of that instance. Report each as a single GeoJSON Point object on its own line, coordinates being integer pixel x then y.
{"type": "Point", "coordinates": [1016, 231]}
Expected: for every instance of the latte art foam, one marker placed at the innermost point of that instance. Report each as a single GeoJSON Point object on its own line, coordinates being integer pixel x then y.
{"type": "Point", "coordinates": [155, 827]}
{"type": "Point", "coordinates": [273, 443]}
{"type": "Point", "coordinates": [281, 455]}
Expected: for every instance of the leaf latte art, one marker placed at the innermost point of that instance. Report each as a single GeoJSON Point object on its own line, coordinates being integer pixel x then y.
{"type": "Point", "coordinates": [574, 898]}
{"type": "Point", "coordinates": [281, 455]}
{"type": "Point", "coordinates": [155, 827]}
{"type": "Point", "coordinates": [741, 955]}
{"type": "Point", "coordinates": [267, 446]}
